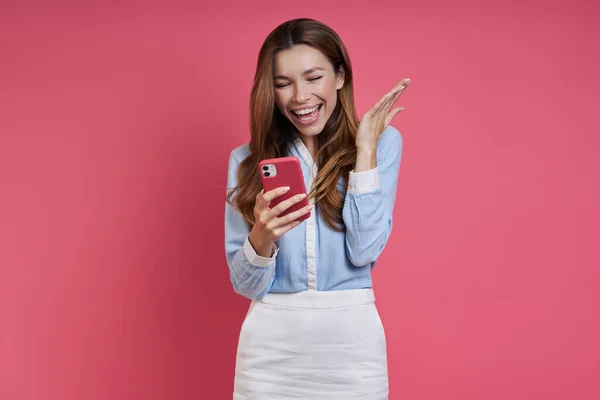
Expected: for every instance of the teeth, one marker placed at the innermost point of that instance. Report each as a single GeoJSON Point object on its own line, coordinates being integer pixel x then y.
{"type": "Point", "coordinates": [305, 111]}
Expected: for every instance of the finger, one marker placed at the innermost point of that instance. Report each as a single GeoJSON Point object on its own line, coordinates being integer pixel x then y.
{"type": "Point", "coordinates": [259, 200]}
{"type": "Point", "coordinates": [291, 217]}
{"type": "Point", "coordinates": [391, 97]}
{"type": "Point", "coordinates": [273, 194]}
{"type": "Point", "coordinates": [261, 204]}
{"type": "Point", "coordinates": [382, 107]}
{"type": "Point", "coordinates": [381, 103]}
{"type": "Point", "coordinates": [385, 99]}
{"type": "Point", "coordinates": [399, 89]}
{"type": "Point", "coordinates": [385, 108]}
{"type": "Point", "coordinates": [401, 85]}
{"type": "Point", "coordinates": [284, 205]}
{"type": "Point", "coordinates": [379, 116]}
{"type": "Point", "coordinates": [391, 115]}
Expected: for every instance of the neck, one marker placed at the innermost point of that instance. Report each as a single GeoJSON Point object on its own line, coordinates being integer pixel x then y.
{"type": "Point", "coordinates": [311, 144]}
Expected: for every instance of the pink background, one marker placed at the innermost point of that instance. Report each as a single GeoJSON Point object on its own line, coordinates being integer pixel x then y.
{"type": "Point", "coordinates": [116, 122]}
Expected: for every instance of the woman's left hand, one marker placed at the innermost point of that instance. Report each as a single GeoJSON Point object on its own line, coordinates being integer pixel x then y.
{"type": "Point", "coordinates": [378, 118]}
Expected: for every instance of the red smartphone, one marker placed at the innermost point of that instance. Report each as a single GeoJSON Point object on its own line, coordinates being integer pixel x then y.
{"type": "Point", "coordinates": [284, 171]}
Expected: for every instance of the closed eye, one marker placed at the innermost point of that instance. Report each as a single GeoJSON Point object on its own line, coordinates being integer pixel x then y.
{"type": "Point", "coordinates": [282, 85]}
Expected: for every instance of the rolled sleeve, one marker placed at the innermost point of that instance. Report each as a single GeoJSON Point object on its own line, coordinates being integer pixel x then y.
{"type": "Point", "coordinates": [363, 182]}
{"type": "Point", "coordinates": [256, 260]}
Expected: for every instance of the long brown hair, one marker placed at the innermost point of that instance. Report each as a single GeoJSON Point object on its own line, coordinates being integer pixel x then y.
{"type": "Point", "coordinates": [271, 132]}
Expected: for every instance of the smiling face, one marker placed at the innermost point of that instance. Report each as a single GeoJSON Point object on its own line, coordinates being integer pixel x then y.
{"type": "Point", "coordinates": [306, 88]}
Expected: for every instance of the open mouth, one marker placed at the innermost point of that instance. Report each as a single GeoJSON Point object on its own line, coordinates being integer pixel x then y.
{"type": "Point", "coordinates": [308, 115]}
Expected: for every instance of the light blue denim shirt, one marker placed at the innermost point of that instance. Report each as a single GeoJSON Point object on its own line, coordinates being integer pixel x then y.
{"type": "Point", "coordinates": [313, 256]}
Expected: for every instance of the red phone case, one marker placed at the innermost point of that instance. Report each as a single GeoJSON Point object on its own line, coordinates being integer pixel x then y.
{"type": "Point", "coordinates": [288, 173]}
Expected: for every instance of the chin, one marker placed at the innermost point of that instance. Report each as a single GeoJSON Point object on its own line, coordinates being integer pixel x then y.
{"type": "Point", "coordinates": [312, 129]}
{"type": "Point", "coordinates": [309, 131]}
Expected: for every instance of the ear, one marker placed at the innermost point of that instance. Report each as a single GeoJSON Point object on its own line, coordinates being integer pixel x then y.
{"type": "Point", "coordinates": [341, 74]}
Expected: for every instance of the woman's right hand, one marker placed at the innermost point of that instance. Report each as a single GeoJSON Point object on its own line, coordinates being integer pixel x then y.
{"type": "Point", "coordinates": [267, 226]}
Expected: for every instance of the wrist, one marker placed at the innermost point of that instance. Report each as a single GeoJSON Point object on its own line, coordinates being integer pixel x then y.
{"type": "Point", "coordinates": [261, 247]}
{"type": "Point", "coordinates": [366, 149]}
{"type": "Point", "coordinates": [366, 158]}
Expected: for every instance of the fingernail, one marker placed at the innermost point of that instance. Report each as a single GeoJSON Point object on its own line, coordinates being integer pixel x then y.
{"type": "Point", "coordinates": [286, 188]}
{"type": "Point", "coordinates": [407, 82]}
{"type": "Point", "coordinates": [302, 195]}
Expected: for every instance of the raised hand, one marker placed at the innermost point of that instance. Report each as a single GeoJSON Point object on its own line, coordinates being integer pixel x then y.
{"type": "Point", "coordinates": [378, 118]}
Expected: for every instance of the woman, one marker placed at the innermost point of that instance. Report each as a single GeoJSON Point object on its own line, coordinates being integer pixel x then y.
{"type": "Point", "coordinates": [312, 330]}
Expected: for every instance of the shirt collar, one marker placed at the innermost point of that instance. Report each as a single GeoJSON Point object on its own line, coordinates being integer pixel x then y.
{"type": "Point", "coordinates": [302, 150]}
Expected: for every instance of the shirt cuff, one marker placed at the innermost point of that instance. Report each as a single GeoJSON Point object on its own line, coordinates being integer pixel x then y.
{"type": "Point", "coordinates": [363, 182]}
{"type": "Point", "coordinates": [255, 259]}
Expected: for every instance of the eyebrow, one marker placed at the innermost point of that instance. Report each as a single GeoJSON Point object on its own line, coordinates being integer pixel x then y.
{"type": "Point", "coordinates": [307, 72]}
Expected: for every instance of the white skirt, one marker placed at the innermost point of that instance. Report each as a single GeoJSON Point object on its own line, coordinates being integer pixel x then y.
{"type": "Point", "coordinates": [312, 345]}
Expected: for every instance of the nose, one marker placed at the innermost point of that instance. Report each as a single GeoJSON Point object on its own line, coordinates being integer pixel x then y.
{"type": "Point", "coordinates": [301, 94]}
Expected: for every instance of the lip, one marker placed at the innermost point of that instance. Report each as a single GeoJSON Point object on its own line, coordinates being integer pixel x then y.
{"type": "Point", "coordinates": [311, 121]}
{"type": "Point", "coordinates": [306, 107]}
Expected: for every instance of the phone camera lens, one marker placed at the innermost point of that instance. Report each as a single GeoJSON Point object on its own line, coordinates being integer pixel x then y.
{"type": "Point", "coordinates": [265, 167]}
{"type": "Point", "coordinates": [267, 174]}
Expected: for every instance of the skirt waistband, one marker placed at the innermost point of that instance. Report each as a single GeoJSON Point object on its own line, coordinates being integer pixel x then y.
{"type": "Point", "coordinates": [320, 299]}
